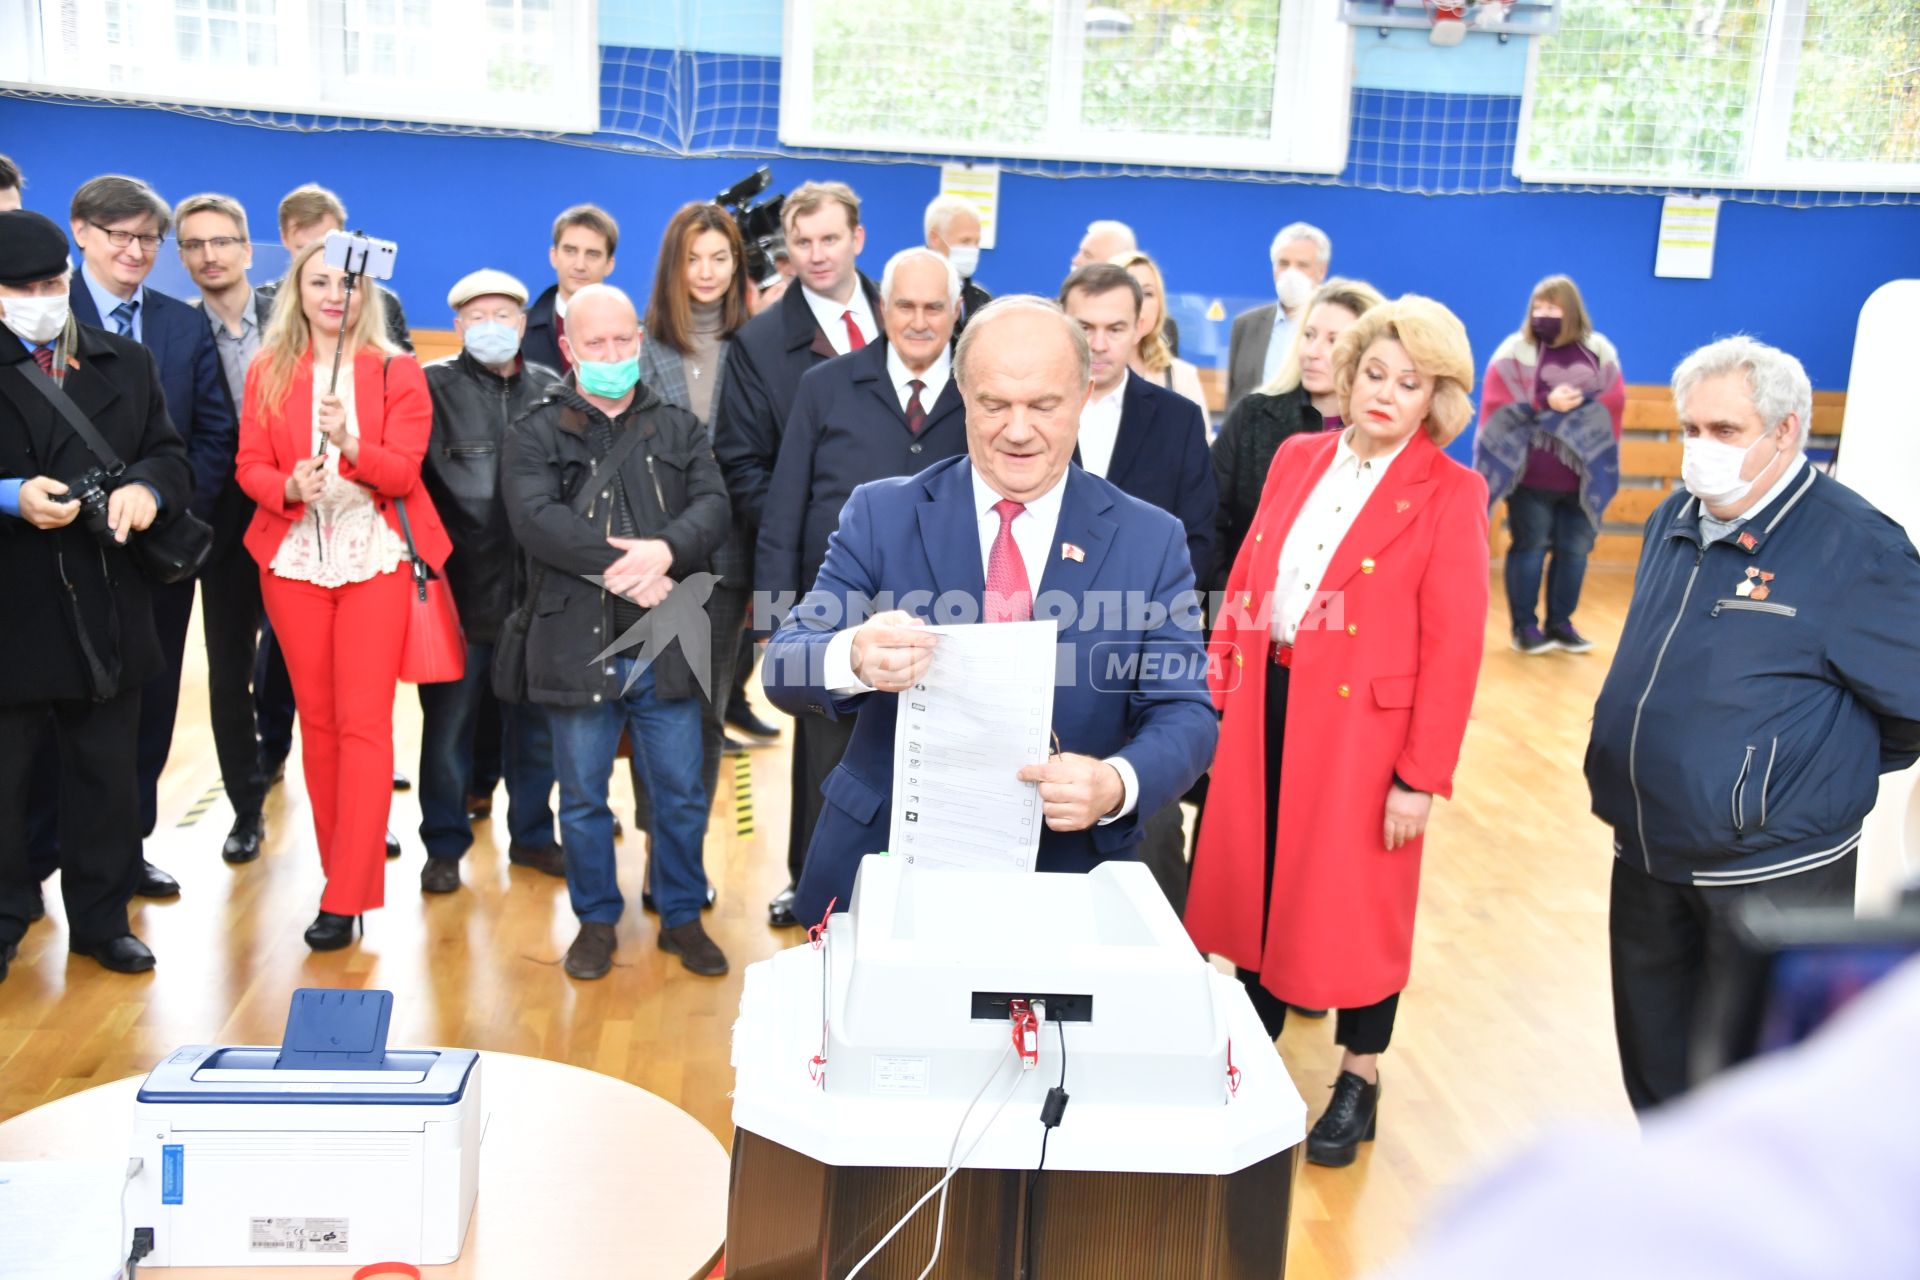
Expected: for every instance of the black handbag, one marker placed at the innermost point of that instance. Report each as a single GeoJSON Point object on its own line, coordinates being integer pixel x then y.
{"type": "Point", "coordinates": [177, 543]}
{"type": "Point", "coordinates": [510, 646]}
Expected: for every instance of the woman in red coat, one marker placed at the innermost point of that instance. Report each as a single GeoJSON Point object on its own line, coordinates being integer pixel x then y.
{"type": "Point", "coordinates": [327, 465]}
{"type": "Point", "coordinates": [1346, 654]}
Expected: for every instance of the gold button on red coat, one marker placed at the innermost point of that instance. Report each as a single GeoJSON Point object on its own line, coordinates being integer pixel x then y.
{"type": "Point", "coordinates": [1345, 692]}
{"type": "Point", "coordinates": [1352, 630]}
{"type": "Point", "coordinates": [1366, 566]}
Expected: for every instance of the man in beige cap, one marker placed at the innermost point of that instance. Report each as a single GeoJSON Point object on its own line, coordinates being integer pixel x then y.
{"type": "Point", "coordinates": [477, 396]}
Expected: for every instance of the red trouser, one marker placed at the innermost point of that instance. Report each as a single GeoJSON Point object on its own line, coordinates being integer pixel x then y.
{"type": "Point", "coordinates": [342, 646]}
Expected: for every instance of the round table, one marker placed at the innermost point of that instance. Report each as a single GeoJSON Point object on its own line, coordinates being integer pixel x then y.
{"type": "Point", "coordinates": [566, 1153]}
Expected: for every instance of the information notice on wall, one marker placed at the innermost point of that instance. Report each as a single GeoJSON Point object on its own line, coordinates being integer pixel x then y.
{"type": "Point", "coordinates": [1688, 227]}
{"type": "Point", "coordinates": [978, 185]}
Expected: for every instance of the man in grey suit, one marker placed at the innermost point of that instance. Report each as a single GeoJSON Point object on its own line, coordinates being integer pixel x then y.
{"type": "Point", "coordinates": [1301, 254]}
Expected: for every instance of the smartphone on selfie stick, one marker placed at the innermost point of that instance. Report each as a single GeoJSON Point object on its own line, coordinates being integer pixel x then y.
{"type": "Point", "coordinates": [357, 255]}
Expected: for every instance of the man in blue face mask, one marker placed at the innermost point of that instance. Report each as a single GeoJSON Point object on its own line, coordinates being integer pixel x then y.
{"type": "Point", "coordinates": [617, 500]}
{"type": "Point", "coordinates": [477, 395]}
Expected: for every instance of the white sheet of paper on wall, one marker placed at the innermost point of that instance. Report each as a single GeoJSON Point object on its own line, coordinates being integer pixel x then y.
{"type": "Point", "coordinates": [979, 186]}
{"type": "Point", "coordinates": [1688, 228]}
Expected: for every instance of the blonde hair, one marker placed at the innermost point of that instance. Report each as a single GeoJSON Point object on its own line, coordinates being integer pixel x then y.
{"type": "Point", "coordinates": [1153, 350]}
{"type": "Point", "coordinates": [211, 202]}
{"type": "Point", "coordinates": [1356, 296]}
{"type": "Point", "coordinates": [305, 205]}
{"type": "Point", "coordinates": [810, 197]}
{"type": "Point", "coordinates": [1565, 294]}
{"type": "Point", "coordinates": [289, 336]}
{"type": "Point", "coordinates": [1436, 340]}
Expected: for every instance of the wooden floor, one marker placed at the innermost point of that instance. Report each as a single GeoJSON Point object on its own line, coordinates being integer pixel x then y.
{"type": "Point", "coordinates": [1505, 1028]}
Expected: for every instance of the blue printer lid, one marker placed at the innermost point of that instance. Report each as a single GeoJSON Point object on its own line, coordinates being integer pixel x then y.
{"type": "Point", "coordinates": [335, 1033]}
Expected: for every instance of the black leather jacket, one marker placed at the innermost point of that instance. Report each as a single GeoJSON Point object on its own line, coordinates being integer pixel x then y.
{"type": "Point", "coordinates": [472, 408]}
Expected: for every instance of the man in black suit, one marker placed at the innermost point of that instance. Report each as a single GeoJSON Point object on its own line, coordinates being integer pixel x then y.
{"type": "Point", "coordinates": [889, 409]}
{"type": "Point", "coordinates": [833, 311]}
{"type": "Point", "coordinates": [1151, 443]}
{"type": "Point", "coordinates": [584, 240]}
{"type": "Point", "coordinates": [953, 232]}
{"type": "Point", "coordinates": [79, 641]}
{"type": "Point", "coordinates": [1301, 254]}
{"type": "Point", "coordinates": [119, 223]}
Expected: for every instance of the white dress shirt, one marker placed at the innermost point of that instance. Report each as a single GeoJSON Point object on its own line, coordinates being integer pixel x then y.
{"type": "Point", "coordinates": [1032, 531]}
{"type": "Point", "coordinates": [1100, 428]}
{"type": "Point", "coordinates": [1324, 520]}
{"type": "Point", "coordinates": [934, 380]}
{"type": "Point", "coordinates": [831, 316]}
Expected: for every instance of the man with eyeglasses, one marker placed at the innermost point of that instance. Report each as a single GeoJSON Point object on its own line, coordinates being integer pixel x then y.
{"type": "Point", "coordinates": [119, 224]}
{"type": "Point", "coordinates": [211, 233]}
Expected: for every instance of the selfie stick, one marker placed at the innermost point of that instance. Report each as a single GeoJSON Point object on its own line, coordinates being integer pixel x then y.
{"type": "Point", "coordinates": [340, 340]}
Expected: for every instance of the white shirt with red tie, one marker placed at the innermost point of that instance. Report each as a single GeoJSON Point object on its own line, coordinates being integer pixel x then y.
{"type": "Point", "coordinates": [832, 317]}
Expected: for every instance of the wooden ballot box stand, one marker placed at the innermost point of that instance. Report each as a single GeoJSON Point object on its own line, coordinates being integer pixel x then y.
{"type": "Point", "coordinates": [791, 1217]}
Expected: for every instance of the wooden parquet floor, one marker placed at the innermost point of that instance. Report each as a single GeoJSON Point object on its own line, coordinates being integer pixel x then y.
{"type": "Point", "coordinates": [1505, 1029]}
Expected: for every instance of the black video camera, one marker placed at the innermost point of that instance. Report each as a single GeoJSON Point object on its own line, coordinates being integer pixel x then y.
{"type": "Point", "coordinates": [90, 491]}
{"type": "Point", "coordinates": [759, 224]}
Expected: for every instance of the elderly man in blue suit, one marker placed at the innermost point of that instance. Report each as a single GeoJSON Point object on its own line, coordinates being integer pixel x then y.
{"type": "Point", "coordinates": [118, 223]}
{"type": "Point", "coordinates": [1015, 512]}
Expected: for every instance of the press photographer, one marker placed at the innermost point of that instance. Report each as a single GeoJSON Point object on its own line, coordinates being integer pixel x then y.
{"type": "Point", "coordinates": [79, 640]}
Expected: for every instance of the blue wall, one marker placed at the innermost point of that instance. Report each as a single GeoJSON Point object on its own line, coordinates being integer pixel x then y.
{"type": "Point", "coordinates": [1796, 277]}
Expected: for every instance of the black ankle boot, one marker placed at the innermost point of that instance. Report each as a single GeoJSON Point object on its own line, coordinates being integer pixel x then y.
{"type": "Point", "coordinates": [1347, 1122]}
{"type": "Point", "coordinates": [330, 932]}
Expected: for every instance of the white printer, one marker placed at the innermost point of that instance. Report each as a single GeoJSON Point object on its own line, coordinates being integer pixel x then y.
{"type": "Point", "coordinates": [331, 1149]}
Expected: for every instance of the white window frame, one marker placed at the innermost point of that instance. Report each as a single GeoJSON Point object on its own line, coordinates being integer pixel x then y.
{"type": "Point", "coordinates": [310, 78]}
{"type": "Point", "coordinates": [1313, 86]}
{"type": "Point", "coordinates": [1769, 167]}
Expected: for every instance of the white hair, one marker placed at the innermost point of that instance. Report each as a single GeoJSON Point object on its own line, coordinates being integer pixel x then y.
{"type": "Point", "coordinates": [1301, 231]}
{"type": "Point", "coordinates": [1002, 307]}
{"type": "Point", "coordinates": [919, 251]}
{"type": "Point", "coordinates": [1776, 382]}
{"type": "Point", "coordinates": [1109, 226]}
{"type": "Point", "coordinates": [943, 209]}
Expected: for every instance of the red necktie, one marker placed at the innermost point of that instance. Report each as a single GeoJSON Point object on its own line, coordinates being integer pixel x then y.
{"type": "Point", "coordinates": [43, 356]}
{"type": "Point", "coordinates": [559, 332]}
{"type": "Point", "coordinates": [916, 412]}
{"type": "Point", "coordinates": [1009, 598]}
{"type": "Point", "coordinates": [854, 340]}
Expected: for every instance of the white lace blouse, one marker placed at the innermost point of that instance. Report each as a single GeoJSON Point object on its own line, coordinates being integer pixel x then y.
{"type": "Point", "coordinates": [341, 537]}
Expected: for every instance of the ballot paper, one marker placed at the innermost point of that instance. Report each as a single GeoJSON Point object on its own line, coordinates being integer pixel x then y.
{"type": "Point", "coordinates": [982, 712]}
{"type": "Point", "coordinates": [60, 1219]}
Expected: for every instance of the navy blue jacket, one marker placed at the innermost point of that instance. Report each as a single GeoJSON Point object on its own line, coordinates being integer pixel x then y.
{"type": "Point", "coordinates": [847, 428]}
{"type": "Point", "coordinates": [1761, 687]}
{"type": "Point", "coordinates": [1160, 456]}
{"type": "Point", "coordinates": [198, 401]}
{"type": "Point", "coordinates": [920, 534]}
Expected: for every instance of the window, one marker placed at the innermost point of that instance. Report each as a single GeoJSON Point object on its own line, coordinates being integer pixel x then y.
{"type": "Point", "coordinates": [1245, 84]}
{"type": "Point", "coordinates": [1797, 94]}
{"type": "Point", "coordinates": [383, 59]}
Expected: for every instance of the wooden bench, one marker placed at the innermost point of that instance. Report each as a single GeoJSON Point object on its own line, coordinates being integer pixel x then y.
{"type": "Point", "coordinates": [1650, 467]}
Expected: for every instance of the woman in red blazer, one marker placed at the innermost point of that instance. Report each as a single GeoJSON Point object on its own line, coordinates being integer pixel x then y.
{"type": "Point", "coordinates": [328, 463]}
{"type": "Point", "coordinates": [1345, 657]}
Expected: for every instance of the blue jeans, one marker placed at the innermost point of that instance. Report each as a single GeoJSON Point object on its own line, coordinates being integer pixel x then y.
{"type": "Point", "coordinates": [666, 747]}
{"type": "Point", "coordinates": [1541, 519]}
{"type": "Point", "coordinates": [449, 713]}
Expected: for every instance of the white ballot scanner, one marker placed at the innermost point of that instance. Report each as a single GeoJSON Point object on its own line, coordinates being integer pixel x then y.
{"type": "Point", "coordinates": [329, 1150]}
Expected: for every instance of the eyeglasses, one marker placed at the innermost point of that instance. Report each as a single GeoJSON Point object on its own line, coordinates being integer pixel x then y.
{"type": "Point", "coordinates": [121, 239]}
{"type": "Point", "coordinates": [219, 244]}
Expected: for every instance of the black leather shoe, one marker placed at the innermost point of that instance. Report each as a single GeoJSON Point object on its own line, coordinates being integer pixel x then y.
{"type": "Point", "coordinates": [243, 842]}
{"type": "Point", "coordinates": [780, 910]}
{"type": "Point", "coordinates": [740, 715]}
{"type": "Point", "coordinates": [393, 845]}
{"type": "Point", "coordinates": [440, 875]}
{"type": "Point", "coordinates": [698, 953]}
{"type": "Point", "coordinates": [547, 859]}
{"type": "Point", "coordinates": [1348, 1121]}
{"type": "Point", "coordinates": [401, 782]}
{"type": "Point", "coordinates": [124, 954]}
{"type": "Point", "coordinates": [732, 746]}
{"type": "Point", "coordinates": [155, 883]}
{"type": "Point", "coordinates": [330, 932]}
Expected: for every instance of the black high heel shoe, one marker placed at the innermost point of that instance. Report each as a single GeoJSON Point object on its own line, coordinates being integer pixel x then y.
{"type": "Point", "coordinates": [1349, 1120]}
{"type": "Point", "coordinates": [330, 932]}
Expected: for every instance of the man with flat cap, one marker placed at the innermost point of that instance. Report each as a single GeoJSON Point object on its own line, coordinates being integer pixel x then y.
{"type": "Point", "coordinates": [80, 640]}
{"type": "Point", "coordinates": [477, 396]}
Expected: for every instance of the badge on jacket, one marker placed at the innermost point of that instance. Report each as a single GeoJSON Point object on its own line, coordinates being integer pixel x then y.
{"type": "Point", "coordinates": [1754, 585]}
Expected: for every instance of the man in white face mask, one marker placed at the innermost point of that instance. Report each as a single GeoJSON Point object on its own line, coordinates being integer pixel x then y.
{"type": "Point", "coordinates": [1767, 675]}
{"type": "Point", "coordinates": [79, 640]}
{"type": "Point", "coordinates": [1301, 254]}
{"type": "Point", "coordinates": [953, 232]}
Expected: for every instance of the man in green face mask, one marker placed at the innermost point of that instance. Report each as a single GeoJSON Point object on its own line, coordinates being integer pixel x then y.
{"type": "Point", "coordinates": [616, 499]}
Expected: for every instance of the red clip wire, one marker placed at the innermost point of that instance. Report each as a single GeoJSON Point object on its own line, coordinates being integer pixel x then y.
{"type": "Point", "coordinates": [1026, 1032]}
{"type": "Point", "coordinates": [1233, 1073]}
{"type": "Point", "coordinates": [817, 934]}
